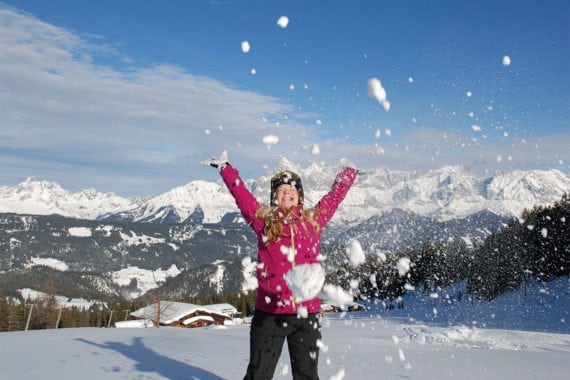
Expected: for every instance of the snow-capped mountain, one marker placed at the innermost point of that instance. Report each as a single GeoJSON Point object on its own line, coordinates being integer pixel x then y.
{"type": "Point", "coordinates": [444, 194]}
{"type": "Point", "coordinates": [208, 199]}
{"type": "Point", "coordinates": [44, 198]}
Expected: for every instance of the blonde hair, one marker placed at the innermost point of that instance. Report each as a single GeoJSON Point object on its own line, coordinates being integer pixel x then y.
{"type": "Point", "coordinates": [274, 220]}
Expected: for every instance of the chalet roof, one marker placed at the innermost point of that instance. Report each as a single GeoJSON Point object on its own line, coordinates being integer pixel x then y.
{"type": "Point", "coordinates": [138, 323]}
{"type": "Point", "coordinates": [206, 318]}
{"type": "Point", "coordinates": [171, 312]}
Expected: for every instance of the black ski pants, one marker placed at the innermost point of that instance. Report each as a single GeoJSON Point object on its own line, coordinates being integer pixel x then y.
{"type": "Point", "coordinates": [266, 338]}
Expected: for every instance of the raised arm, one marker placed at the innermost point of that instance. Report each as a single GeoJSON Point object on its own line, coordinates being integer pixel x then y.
{"type": "Point", "coordinates": [329, 203]}
{"type": "Point", "coordinates": [245, 200]}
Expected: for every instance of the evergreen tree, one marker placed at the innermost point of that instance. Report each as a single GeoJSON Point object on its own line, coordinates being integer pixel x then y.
{"type": "Point", "coordinates": [18, 317]}
{"type": "Point", "coordinates": [536, 246]}
{"type": "Point", "coordinates": [4, 313]}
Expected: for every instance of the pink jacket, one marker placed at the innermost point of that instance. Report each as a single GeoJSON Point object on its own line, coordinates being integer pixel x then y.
{"type": "Point", "coordinates": [273, 295]}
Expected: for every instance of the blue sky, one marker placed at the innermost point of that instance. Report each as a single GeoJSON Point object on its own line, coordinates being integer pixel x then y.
{"type": "Point", "coordinates": [130, 96]}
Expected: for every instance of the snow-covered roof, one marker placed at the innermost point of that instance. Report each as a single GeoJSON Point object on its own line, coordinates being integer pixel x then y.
{"type": "Point", "coordinates": [171, 312]}
{"type": "Point", "coordinates": [136, 324]}
{"type": "Point", "coordinates": [189, 321]}
{"type": "Point", "coordinates": [223, 308]}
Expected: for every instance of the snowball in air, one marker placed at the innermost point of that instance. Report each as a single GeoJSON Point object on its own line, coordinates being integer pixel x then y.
{"type": "Point", "coordinates": [270, 140]}
{"type": "Point", "coordinates": [336, 295]}
{"type": "Point", "coordinates": [283, 21]}
{"type": "Point", "coordinates": [403, 266]}
{"type": "Point", "coordinates": [316, 150]}
{"type": "Point", "coordinates": [245, 46]}
{"type": "Point", "coordinates": [305, 281]}
{"type": "Point", "coordinates": [506, 60]}
{"type": "Point", "coordinates": [355, 254]}
{"type": "Point", "coordinates": [376, 91]}
{"type": "Point", "coordinates": [249, 279]}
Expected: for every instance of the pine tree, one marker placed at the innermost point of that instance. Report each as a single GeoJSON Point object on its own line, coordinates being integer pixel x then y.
{"type": "Point", "coordinates": [4, 313]}
{"type": "Point", "coordinates": [18, 317]}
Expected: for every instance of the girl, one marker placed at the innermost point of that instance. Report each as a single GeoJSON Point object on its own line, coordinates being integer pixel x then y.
{"type": "Point", "coordinates": [288, 236]}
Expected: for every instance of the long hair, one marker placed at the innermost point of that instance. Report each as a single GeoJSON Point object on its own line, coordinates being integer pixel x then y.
{"type": "Point", "coordinates": [275, 217]}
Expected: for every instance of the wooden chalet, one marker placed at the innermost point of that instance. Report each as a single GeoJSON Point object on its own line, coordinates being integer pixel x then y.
{"type": "Point", "coordinates": [179, 314]}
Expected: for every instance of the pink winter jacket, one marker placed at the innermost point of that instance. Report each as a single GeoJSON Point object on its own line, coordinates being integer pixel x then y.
{"type": "Point", "coordinates": [273, 295]}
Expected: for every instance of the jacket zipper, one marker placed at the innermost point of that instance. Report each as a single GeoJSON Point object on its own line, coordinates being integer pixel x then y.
{"type": "Point", "coordinates": [293, 263]}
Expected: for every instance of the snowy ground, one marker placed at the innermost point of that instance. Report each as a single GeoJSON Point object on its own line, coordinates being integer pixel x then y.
{"type": "Point", "coordinates": [414, 343]}
{"type": "Point", "coordinates": [367, 348]}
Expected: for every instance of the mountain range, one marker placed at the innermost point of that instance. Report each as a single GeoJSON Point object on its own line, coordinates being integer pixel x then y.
{"type": "Point", "coordinates": [191, 240]}
{"type": "Point", "coordinates": [448, 193]}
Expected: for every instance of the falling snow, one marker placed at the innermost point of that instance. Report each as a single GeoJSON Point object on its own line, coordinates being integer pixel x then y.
{"type": "Point", "coordinates": [355, 253]}
{"type": "Point", "coordinates": [270, 140]}
{"type": "Point", "coordinates": [403, 266]}
{"type": "Point", "coordinates": [377, 91]}
{"type": "Point", "coordinates": [305, 281]}
{"type": "Point", "coordinates": [283, 21]}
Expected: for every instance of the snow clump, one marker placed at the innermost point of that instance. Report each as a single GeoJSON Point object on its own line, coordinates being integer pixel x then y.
{"type": "Point", "coordinates": [305, 281]}
{"type": "Point", "coordinates": [377, 91]}
{"type": "Point", "coordinates": [335, 294]}
{"type": "Point", "coordinates": [354, 253]}
{"type": "Point", "coordinates": [283, 21]}
{"type": "Point", "coordinates": [270, 140]}
{"type": "Point", "coordinates": [403, 266]}
{"type": "Point", "coordinates": [248, 272]}
{"type": "Point", "coordinates": [245, 46]}
{"type": "Point", "coordinates": [316, 149]}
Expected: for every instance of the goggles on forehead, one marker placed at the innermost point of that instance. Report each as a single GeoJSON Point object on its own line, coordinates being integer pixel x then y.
{"type": "Point", "coordinates": [285, 174]}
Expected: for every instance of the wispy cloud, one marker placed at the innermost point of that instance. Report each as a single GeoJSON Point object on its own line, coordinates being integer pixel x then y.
{"type": "Point", "coordinates": [59, 105]}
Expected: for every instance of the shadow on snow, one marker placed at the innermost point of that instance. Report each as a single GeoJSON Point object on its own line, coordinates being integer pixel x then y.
{"type": "Point", "coordinates": [149, 361]}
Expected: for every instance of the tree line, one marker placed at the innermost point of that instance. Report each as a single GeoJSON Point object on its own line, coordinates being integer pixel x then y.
{"type": "Point", "coordinates": [535, 246]}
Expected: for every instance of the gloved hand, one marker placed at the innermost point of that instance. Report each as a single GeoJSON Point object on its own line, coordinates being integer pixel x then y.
{"type": "Point", "coordinates": [217, 162]}
{"type": "Point", "coordinates": [345, 162]}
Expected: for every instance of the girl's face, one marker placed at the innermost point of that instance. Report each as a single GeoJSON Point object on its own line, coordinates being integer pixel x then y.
{"type": "Point", "coordinates": [287, 196]}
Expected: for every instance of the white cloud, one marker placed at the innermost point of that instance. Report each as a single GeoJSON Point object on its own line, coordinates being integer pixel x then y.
{"type": "Point", "coordinates": [66, 113]}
